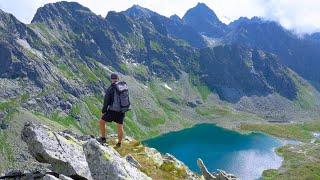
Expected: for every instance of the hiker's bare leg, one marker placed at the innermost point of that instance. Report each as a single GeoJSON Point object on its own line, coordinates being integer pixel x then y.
{"type": "Point", "coordinates": [120, 132]}
{"type": "Point", "coordinates": [102, 125]}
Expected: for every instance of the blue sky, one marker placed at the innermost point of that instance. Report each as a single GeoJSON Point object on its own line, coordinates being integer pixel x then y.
{"type": "Point", "coordinates": [302, 16]}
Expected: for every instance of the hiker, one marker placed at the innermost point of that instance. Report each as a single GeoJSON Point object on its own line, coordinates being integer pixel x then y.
{"type": "Point", "coordinates": [116, 103]}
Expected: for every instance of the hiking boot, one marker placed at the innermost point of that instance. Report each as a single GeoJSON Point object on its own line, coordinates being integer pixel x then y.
{"type": "Point", "coordinates": [102, 140]}
{"type": "Point", "coordinates": [118, 145]}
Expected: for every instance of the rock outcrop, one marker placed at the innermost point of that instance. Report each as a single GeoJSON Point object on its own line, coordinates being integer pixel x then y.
{"type": "Point", "coordinates": [63, 151]}
{"type": "Point", "coordinates": [220, 175]}
{"type": "Point", "coordinates": [106, 163]}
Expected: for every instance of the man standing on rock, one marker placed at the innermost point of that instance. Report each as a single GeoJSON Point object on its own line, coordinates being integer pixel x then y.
{"type": "Point", "coordinates": [116, 103]}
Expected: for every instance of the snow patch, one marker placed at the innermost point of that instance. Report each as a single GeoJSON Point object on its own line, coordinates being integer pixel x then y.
{"type": "Point", "coordinates": [166, 86]}
{"type": "Point", "coordinates": [26, 45]}
{"type": "Point", "coordinates": [316, 135]}
{"type": "Point", "coordinates": [212, 42]}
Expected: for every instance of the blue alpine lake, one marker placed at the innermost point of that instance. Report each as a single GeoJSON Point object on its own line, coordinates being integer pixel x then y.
{"type": "Point", "coordinates": [245, 155]}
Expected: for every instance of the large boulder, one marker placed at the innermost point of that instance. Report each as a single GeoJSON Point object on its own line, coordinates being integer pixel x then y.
{"type": "Point", "coordinates": [105, 163]}
{"type": "Point", "coordinates": [63, 151]}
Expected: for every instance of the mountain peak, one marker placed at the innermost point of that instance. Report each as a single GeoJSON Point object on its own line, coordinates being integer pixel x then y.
{"type": "Point", "coordinates": [137, 11]}
{"type": "Point", "coordinates": [59, 9]}
{"type": "Point", "coordinates": [204, 20]}
{"type": "Point", "coordinates": [202, 10]}
{"type": "Point", "coordinates": [175, 18]}
{"type": "Point", "coordinates": [10, 24]}
{"type": "Point", "coordinates": [202, 5]}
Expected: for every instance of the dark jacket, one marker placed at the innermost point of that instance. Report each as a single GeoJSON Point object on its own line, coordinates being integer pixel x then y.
{"type": "Point", "coordinates": [108, 98]}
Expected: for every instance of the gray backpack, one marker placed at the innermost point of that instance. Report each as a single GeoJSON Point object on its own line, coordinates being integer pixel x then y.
{"type": "Point", "coordinates": [121, 101]}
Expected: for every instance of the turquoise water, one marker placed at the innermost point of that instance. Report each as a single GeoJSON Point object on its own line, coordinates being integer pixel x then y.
{"type": "Point", "coordinates": [245, 155]}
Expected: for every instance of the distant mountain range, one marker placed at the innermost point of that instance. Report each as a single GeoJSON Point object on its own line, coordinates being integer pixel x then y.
{"type": "Point", "coordinates": [181, 71]}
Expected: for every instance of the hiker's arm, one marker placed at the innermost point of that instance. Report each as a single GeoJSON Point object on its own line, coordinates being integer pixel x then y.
{"type": "Point", "coordinates": [106, 102]}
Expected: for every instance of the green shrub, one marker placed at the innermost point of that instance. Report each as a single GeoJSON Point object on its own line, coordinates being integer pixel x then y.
{"type": "Point", "coordinates": [155, 46]}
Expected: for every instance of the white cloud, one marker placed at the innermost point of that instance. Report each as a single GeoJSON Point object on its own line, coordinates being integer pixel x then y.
{"type": "Point", "coordinates": [302, 16]}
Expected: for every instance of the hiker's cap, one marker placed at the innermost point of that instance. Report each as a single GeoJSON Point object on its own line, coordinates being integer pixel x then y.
{"type": "Point", "coordinates": [114, 76]}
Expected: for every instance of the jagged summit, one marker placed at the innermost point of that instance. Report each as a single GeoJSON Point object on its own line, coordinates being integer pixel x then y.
{"type": "Point", "coordinates": [175, 18]}
{"type": "Point", "coordinates": [60, 9]}
{"type": "Point", "coordinates": [136, 11]}
{"type": "Point", "coordinates": [12, 28]}
{"type": "Point", "coordinates": [246, 21]}
{"type": "Point", "coordinates": [7, 18]}
{"type": "Point", "coordinates": [205, 21]}
{"type": "Point", "coordinates": [202, 10]}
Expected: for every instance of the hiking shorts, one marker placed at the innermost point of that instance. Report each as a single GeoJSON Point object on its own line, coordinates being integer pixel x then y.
{"type": "Point", "coordinates": [113, 116]}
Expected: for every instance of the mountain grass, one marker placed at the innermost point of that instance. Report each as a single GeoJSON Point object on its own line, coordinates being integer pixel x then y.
{"type": "Point", "coordinates": [86, 73]}
{"type": "Point", "coordinates": [135, 41]}
{"type": "Point", "coordinates": [300, 162]}
{"type": "Point", "coordinates": [66, 71]}
{"type": "Point", "coordinates": [222, 111]}
{"type": "Point", "coordinates": [155, 46]}
{"type": "Point", "coordinates": [5, 151]}
{"type": "Point", "coordinates": [204, 91]}
{"type": "Point", "coordinates": [65, 120]}
{"type": "Point", "coordinates": [301, 132]}
{"type": "Point", "coordinates": [100, 72]}
{"type": "Point", "coordinates": [149, 119]}
{"type": "Point", "coordinates": [5, 105]}
{"type": "Point", "coordinates": [305, 97]}
{"type": "Point", "coordinates": [134, 69]}
{"type": "Point", "coordinates": [93, 105]}
{"type": "Point", "coordinates": [131, 128]}
{"type": "Point", "coordinates": [202, 88]}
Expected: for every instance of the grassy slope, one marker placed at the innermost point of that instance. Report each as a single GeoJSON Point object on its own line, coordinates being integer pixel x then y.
{"type": "Point", "coordinates": [300, 161]}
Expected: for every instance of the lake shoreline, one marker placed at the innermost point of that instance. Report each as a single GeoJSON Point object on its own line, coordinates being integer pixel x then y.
{"type": "Point", "coordinates": [302, 135]}
{"type": "Point", "coordinates": [285, 170]}
{"type": "Point", "coordinates": [225, 135]}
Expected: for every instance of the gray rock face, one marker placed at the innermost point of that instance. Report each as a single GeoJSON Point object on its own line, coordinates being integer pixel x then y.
{"type": "Point", "coordinates": [206, 174]}
{"type": "Point", "coordinates": [105, 163]}
{"type": "Point", "coordinates": [49, 177]}
{"type": "Point", "coordinates": [62, 151]}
